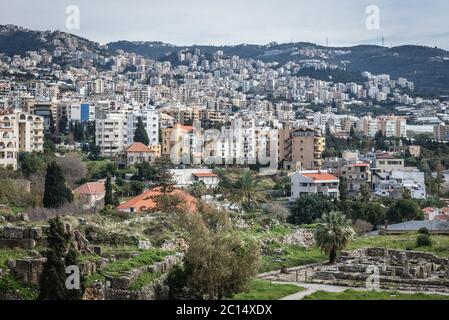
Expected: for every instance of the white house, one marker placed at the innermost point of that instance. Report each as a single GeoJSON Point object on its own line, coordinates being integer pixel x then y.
{"type": "Point", "coordinates": [392, 184]}
{"type": "Point", "coordinates": [186, 177]}
{"type": "Point", "coordinates": [314, 182]}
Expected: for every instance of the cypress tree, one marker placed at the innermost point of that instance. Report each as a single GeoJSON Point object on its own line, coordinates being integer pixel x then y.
{"type": "Point", "coordinates": [60, 254]}
{"type": "Point", "coordinates": [56, 192]}
{"type": "Point", "coordinates": [140, 135]}
{"type": "Point", "coordinates": [108, 198]}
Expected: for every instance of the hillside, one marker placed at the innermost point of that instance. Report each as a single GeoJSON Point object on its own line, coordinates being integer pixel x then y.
{"type": "Point", "coordinates": [427, 67]}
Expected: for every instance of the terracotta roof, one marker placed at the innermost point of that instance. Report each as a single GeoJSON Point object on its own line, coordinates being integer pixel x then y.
{"type": "Point", "coordinates": [138, 147]}
{"type": "Point", "coordinates": [145, 201]}
{"type": "Point", "coordinates": [428, 210]}
{"type": "Point", "coordinates": [205, 174]}
{"type": "Point", "coordinates": [90, 188]}
{"type": "Point", "coordinates": [320, 176]}
{"type": "Point", "coordinates": [187, 128]}
{"type": "Point", "coordinates": [360, 165]}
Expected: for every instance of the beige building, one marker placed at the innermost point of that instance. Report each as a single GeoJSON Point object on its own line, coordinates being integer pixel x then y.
{"type": "Point", "coordinates": [301, 147]}
{"type": "Point", "coordinates": [19, 132]}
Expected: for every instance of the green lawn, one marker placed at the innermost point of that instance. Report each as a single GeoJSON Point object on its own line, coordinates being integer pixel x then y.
{"type": "Point", "coordinates": [372, 295]}
{"type": "Point", "coordinates": [264, 290]}
{"type": "Point", "coordinates": [440, 243]}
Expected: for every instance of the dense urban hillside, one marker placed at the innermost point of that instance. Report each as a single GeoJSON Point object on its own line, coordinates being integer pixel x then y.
{"type": "Point", "coordinates": [427, 67]}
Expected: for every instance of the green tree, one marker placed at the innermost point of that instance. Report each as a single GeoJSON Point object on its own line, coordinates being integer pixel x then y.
{"type": "Point", "coordinates": [163, 176]}
{"type": "Point", "coordinates": [309, 208]}
{"type": "Point", "coordinates": [218, 263]}
{"type": "Point", "coordinates": [373, 213]}
{"type": "Point", "coordinates": [108, 198]}
{"type": "Point", "coordinates": [246, 193]}
{"type": "Point", "coordinates": [56, 192]}
{"type": "Point", "coordinates": [404, 210]}
{"type": "Point", "coordinates": [197, 189]}
{"type": "Point", "coordinates": [60, 254]}
{"type": "Point", "coordinates": [141, 135]}
{"type": "Point", "coordinates": [365, 192]}
{"type": "Point", "coordinates": [333, 234]}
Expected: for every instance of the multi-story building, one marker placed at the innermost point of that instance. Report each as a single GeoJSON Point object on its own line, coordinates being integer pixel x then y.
{"type": "Point", "coordinates": [19, 132]}
{"type": "Point", "coordinates": [314, 182]}
{"type": "Point", "coordinates": [301, 147]}
{"type": "Point", "coordinates": [356, 175]}
{"type": "Point", "coordinates": [150, 119]}
{"type": "Point", "coordinates": [441, 132]}
{"type": "Point", "coordinates": [111, 134]}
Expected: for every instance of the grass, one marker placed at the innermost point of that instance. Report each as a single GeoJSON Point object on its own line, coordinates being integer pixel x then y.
{"type": "Point", "coordinates": [143, 279]}
{"type": "Point", "coordinates": [15, 287]}
{"type": "Point", "coordinates": [440, 243]}
{"type": "Point", "coordinates": [264, 290]}
{"type": "Point", "coordinates": [145, 258]}
{"type": "Point", "coordinates": [372, 295]}
{"type": "Point", "coordinates": [291, 256]}
{"type": "Point", "coordinates": [14, 254]}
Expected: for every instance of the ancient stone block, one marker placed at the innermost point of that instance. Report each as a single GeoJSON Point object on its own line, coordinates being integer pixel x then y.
{"type": "Point", "coordinates": [13, 233]}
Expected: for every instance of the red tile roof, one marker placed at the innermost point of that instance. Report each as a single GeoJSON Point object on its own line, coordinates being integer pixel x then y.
{"type": "Point", "coordinates": [320, 176]}
{"type": "Point", "coordinates": [138, 147]}
{"type": "Point", "coordinates": [205, 174]}
{"type": "Point", "coordinates": [145, 201]}
{"type": "Point", "coordinates": [90, 188]}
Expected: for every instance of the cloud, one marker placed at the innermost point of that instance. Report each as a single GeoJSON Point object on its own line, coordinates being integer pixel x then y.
{"type": "Point", "coordinates": [235, 21]}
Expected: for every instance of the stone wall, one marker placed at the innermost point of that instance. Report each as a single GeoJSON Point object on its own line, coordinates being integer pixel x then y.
{"type": "Point", "coordinates": [19, 237]}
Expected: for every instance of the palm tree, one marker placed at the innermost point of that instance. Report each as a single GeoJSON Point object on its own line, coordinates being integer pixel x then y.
{"type": "Point", "coordinates": [245, 192]}
{"type": "Point", "coordinates": [333, 234]}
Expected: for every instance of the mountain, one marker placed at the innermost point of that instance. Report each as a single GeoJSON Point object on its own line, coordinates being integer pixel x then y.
{"type": "Point", "coordinates": [18, 40]}
{"type": "Point", "coordinates": [427, 67]}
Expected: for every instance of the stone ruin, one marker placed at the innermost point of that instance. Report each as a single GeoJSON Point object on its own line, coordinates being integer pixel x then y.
{"type": "Point", "coordinates": [369, 267]}
{"type": "Point", "coordinates": [19, 237]}
{"type": "Point", "coordinates": [393, 269]}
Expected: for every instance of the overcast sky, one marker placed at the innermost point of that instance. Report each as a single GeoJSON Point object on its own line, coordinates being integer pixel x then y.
{"type": "Point", "coordinates": [186, 22]}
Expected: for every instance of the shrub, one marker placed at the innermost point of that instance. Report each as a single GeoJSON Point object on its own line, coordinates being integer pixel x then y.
{"type": "Point", "coordinates": [362, 227]}
{"type": "Point", "coordinates": [424, 240]}
{"type": "Point", "coordinates": [424, 230]}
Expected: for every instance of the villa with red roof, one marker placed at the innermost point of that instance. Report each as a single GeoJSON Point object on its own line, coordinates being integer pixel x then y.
{"type": "Point", "coordinates": [146, 201]}
{"type": "Point", "coordinates": [90, 193]}
{"type": "Point", "coordinates": [138, 153]}
{"type": "Point", "coordinates": [314, 182]}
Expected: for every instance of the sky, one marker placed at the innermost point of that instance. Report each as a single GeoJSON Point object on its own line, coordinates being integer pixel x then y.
{"type": "Point", "coordinates": [228, 22]}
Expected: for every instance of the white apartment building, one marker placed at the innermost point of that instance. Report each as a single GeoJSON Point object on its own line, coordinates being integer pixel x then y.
{"type": "Point", "coordinates": [314, 182]}
{"type": "Point", "coordinates": [19, 132]}
{"type": "Point", "coordinates": [150, 119]}
{"type": "Point", "coordinates": [112, 134]}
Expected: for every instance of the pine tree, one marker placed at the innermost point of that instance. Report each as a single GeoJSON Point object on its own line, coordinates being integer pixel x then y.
{"type": "Point", "coordinates": [56, 192]}
{"type": "Point", "coordinates": [108, 198]}
{"type": "Point", "coordinates": [60, 254]}
{"type": "Point", "coordinates": [140, 135]}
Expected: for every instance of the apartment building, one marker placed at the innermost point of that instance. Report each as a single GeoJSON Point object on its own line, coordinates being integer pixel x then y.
{"type": "Point", "coordinates": [441, 132]}
{"type": "Point", "coordinates": [391, 126]}
{"type": "Point", "coordinates": [150, 119]}
{"type": "Point", "coordinates": [301, 148]}
{"type": "Point", "coordinates": [356, 175]}
{"type": "Point", "coordinates": [111, 134]}
{"type": "Point", "coordinates": [19, 132]}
